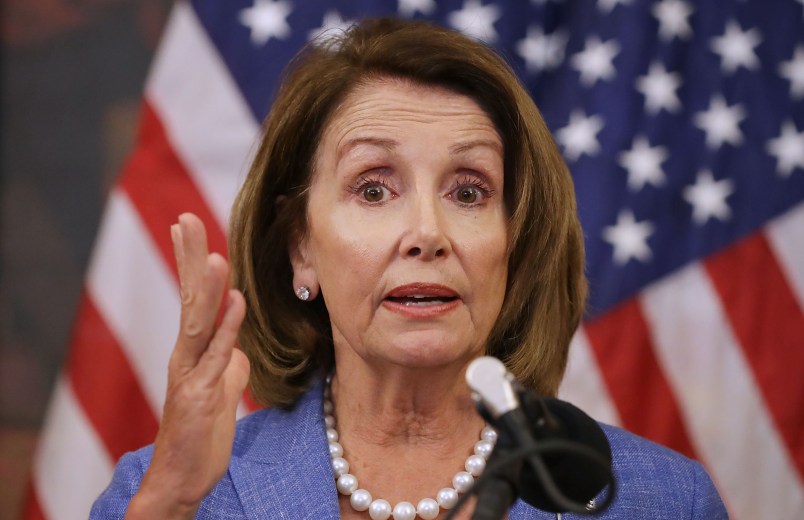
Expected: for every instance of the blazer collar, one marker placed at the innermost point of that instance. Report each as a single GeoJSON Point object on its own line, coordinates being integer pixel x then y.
{"type": "Point", "coordinates": [281, 459]}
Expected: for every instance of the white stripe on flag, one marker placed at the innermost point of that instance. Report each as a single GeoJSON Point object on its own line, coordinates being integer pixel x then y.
{"type": "Point", "coordinates": [786, 237]}
{"type": "Point", "coordinates": [205, 117]}
{"type": "Point", "coordinates": [726, 417]}
{"type": "Point", "coordinates": [242, 410]}
{"type": "Point", "coordinates": [583, 384]}
{"type": "Point", "coordinates": [136, 295]}
{"type": "Point", "coordinates": [68, 447]}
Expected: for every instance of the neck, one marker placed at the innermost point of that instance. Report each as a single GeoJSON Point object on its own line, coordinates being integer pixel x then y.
{"type": "Point", "coordinates": [406, 433]}
{"type": "Point", "coordinates": [395, 406]}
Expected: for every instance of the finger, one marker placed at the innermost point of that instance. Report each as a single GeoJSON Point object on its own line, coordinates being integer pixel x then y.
{"type": "Point", "coordinates": [219, 353]}
{"type": "Point", "coordinates": [199, 316]}
{"type": "Point", "coordinates": [236, 375]}
{"type": "Point", "coordinates": [178, 248]}
{"type": "Point", "coordinates": [194, 254]}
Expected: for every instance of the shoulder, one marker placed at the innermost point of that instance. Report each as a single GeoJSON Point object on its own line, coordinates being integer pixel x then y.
{"type": "Point", "coordinates": [265, 436]}
{"type": "Point", "coordinates": [128, 473]}
{"type": "Point", "coordinates": [635, 456]}
{"type": "Point", "coordinates": [653, 483]}
{"type": "Point", "coordinates": [269, 434]}
{"type": "Point", "coordinates": [659, 482]}
{"type": "Point", "coordinates": [634, 453]}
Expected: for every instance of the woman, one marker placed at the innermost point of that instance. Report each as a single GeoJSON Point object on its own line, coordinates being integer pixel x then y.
{"type": "Point", "coordinates": [407, 213]}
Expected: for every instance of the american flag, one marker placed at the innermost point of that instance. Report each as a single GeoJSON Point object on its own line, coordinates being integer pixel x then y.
{"type": "Point", "coordinates": [683, 125]}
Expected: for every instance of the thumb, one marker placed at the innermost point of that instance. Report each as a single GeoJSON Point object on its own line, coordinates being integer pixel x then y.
{"type": "Point", "coordinates": [237, 376]}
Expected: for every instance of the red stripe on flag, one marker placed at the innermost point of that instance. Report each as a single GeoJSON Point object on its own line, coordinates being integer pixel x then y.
{"type": "Point", "coordinates": [106, 386]}
{"type": "Point", "coordinates": [31, 510]}
{"type": "Point", "coordinates": [161, 189]}
{"type": "Point", "coordinates": [622, 345]}
{"type": "Point", "coordinates": [769, 325]}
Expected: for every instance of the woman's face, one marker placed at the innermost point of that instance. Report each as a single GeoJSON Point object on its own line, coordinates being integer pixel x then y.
{"type": "Point", "coordinates": [407, 232]}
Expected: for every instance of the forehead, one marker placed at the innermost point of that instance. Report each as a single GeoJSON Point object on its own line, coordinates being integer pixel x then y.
{"type": "Point", "coordinates": [383, 106]}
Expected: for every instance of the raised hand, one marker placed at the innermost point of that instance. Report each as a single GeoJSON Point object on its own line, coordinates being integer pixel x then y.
{"type": "Point", "coordinates": [206, 378]}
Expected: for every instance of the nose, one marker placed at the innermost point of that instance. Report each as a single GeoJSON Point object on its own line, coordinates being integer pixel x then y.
{"type": "Point", "coordinates": [425, 234]}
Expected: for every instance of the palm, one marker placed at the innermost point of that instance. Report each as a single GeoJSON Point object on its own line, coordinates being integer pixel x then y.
{"type": "Point", "coordinates": [206, 378]}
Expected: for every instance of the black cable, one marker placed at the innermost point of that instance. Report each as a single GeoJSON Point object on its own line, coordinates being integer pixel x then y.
{"type": "Point", "coordinates": [533, 454]}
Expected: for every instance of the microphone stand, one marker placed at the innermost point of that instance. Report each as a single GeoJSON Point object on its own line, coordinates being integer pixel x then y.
{"type": "Point", "coordinates": [499, 491]}
{"type": "Point", "coordinates": [523, 441]}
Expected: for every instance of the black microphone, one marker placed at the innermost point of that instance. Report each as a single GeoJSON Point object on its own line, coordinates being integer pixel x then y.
{"type": "Point", "coordinates": [567, 454]}
{"type": "Point", "coordinates": [572, 472]}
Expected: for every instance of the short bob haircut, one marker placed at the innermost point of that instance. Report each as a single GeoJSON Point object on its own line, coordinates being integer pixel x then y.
{"type": "Point", "coordinates": [289, 342]}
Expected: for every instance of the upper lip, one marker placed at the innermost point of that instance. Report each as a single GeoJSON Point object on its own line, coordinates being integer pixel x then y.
{"type": "Point", "coordinates": [430, 290]}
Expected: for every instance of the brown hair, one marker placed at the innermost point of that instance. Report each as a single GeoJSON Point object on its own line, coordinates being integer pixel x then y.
{"type": "Point", "coordinates": [288, 341]}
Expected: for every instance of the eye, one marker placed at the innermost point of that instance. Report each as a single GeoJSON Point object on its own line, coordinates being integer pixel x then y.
{"type": "Point", "coordinates": [471, 191]}
{"type": "Point", "coordinates": [373, 193]}
{"type": "Point", "coordinates": [467, 194]}
{"type": "Point", "coordinates": [372, 190]}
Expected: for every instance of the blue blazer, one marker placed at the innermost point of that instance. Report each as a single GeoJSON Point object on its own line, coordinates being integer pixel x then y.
{"type": "Point", "coordinates": [280, 469]}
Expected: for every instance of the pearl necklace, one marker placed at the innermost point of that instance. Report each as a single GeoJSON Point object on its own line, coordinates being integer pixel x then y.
{"type": "Point", "coordinates": [379, 509]}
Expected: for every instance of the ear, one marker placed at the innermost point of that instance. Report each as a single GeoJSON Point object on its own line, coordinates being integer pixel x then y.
{"type": "Point", "coordinates": [302, 262]}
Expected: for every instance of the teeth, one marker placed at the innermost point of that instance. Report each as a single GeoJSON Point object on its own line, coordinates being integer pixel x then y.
{"type": "Point", "coordinates": [421, 300]}
{"type": "Point", "coordinates": [424, 303]}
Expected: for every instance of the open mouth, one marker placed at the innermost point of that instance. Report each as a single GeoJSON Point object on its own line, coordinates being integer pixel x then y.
{"type": "Point", "coordinates": [421, 300]}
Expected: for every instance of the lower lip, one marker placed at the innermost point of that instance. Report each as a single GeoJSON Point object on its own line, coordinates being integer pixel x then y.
{"type": "Point", "coordinates": [422, 311]}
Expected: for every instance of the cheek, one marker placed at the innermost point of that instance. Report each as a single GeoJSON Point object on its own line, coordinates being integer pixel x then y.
{"type": "Point", "coordinates": [487, 266]}
{"type": "Point", "coordinates": [349, 253]}
{"type": "Point", "coordinates": [492, 271]}
{"type": "Point", "coordinates": [485, 240]}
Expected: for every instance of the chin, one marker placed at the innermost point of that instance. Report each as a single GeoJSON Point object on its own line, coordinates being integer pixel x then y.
{"type": "Point", "coordinates": [429, 353]}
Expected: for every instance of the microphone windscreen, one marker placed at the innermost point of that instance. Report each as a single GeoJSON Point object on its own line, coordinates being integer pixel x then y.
{"type": "Point", "coordinates": [578, 477]}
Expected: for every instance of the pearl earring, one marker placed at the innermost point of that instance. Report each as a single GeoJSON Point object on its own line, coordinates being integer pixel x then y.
{"type": "Point", "coordinates": [303, 293]}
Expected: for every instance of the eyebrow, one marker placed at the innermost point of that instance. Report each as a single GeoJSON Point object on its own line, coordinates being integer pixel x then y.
{"type": "Point", "coordinates": [387, 144]}
{"type": "Point", "coordinates": [390, 144]}
{"type": "Point", "coordinates": [468, 145]}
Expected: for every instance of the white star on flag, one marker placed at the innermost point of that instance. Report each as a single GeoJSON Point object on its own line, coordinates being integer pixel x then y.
{"type": "Point", "coordinates": [580, 135]}
{"type": "Point", "coordinates": [542, 51]}
{"type": "Point", "coordinates": [411, 7]}
{"type": "Point", "coordinates": [629, 238]}
{"type": "Point", "coordinates": [643, 164]}
{"type": "Point", "coordinates": [788, 149]}
{"type": "Point", "coordinates": [659, 88]}
{"type": "Point", "coordinates": [673, 16]}
{"type": "Point", "coordinates": [332, 25]}
{"type": "Point", "coordinates": [736, 48]}
{"type": "Point", "coordinates": [476, 20]}
{"type": "Point", "coordinates": [267, 19]}
{"type": "Point", "coordinates": [793, 71]}
{"type": "Point", "coordinates": [721, 123]}
{"type": "Point", "coordinates": [608, 6]}
{"type": "Point", "coordinates": [708, 198]}
{"type": "Point", "coordinates": [594, 62]}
